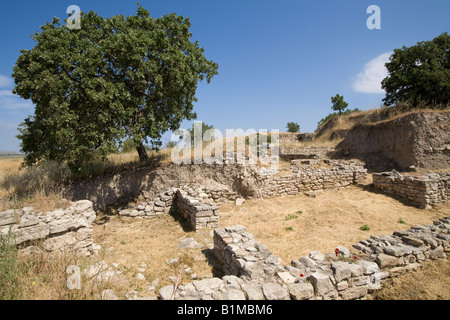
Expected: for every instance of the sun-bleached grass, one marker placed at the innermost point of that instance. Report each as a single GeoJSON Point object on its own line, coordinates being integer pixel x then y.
{"type": "Point", "coordinates": [332, 219]}
{"type": "Point", "coordinates": [431, 282]}
{"type": "Point", "coordinates": [42, 186]}
{"type": "Point", "coordinates": [372, 117]}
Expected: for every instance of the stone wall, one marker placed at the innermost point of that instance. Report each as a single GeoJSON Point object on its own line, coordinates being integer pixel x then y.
{"type": "Point", "coordinates": [294, 137]}
{"type": "Point", "coordinates": [191, 202]}
{"type": "Point", "coordinates": [324, 175]}
{"type": "Point", "coordinates": [221, 183]}
{"type": "Point", "coordinates": [254, 273]}
{"type": "Point", "coordinates": [424, 191]}
{"type": "Point", "coordinates": [291, 152]}
{"type": "Point", "coordinates": [54, 231]}
{"type": "Point", "coordinates": [199, 213]}
{"type": "Point", "coordinates": [304, 179]}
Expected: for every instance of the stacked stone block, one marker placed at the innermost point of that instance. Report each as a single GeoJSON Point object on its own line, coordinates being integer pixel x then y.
{"type": "Point", "coordinates": [199, 213]}
{"type": "Point", "coordinates": [424, 191]}
{"type": "Point", "coordinates": [59, 230]}
{"type": "Point", "coordinates": [338, 174]}
{"type": "Point", "coordinates": [192, 203]}
{"type": "Point", "coordinates": [162, 204]}
{"type": "Point", "coordinates": [254, 273]}
{"type": "Point", "coordinates": [241, 255]}
{"type": "Point", "coordinates": [404, 250]}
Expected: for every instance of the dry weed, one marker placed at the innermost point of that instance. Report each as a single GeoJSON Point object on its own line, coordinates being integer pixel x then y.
{"type": "Point", "coordinates": [333, 218]}
{"type": "Point", "coordinates": [431, 282]}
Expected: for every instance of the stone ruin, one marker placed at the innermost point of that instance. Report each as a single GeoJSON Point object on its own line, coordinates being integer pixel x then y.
{"type": "Point", "coordinates": [193, 204]}
{"type": "Point", "coordinates": [424, 191]}
{"type": "Point", "coordinates": [252, 272]}
{"type": "Point", "coordinates": [198, 204]}
{"type": "Point", "coordinates": [54, 231]}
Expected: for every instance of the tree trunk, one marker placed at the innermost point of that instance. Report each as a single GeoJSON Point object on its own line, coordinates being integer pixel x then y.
{"type": "Point", "coordinates": [143, 156]}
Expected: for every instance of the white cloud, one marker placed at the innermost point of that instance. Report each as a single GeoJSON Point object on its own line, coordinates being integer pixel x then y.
{"type": "Point", "coordinates": [5, 81]}
{"type": "Point", "coordinates": [369, 80]}
{"type": "Point", "coordinates": [12, 102]}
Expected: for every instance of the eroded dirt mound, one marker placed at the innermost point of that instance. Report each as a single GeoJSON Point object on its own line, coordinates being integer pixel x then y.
{"type": "Point", "coordinates": [149, 182]}
{"type": "Point", "coordinates": [419, 139]}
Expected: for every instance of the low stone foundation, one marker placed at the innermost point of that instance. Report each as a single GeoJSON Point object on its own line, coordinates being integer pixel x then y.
{"type": "Point", "coordinates": [424, 191]}
{"type": "Point", "coordinates": [199, 213]}
{"type": "Point", "coordinates": [196, 207]}
{"type": "Point", "coordinates": [254, 273]}
{"type": "Point", "coordinates": [309, 178]}
{"type": "Point", "coordinates": [302, 179]}
{"type": "Point", "coordinates": [59, 230]}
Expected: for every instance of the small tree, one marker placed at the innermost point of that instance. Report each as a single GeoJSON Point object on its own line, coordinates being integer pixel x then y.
{"type": "Point", "coordinates": [338, 103]}
{"type": "Point", "coordinates": [293, 127]}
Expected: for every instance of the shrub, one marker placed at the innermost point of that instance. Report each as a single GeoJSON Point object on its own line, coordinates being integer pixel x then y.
{"type": "Point", "coordinates": [364, 228]}
{"type": "Point", "coordinates": [9, 280]}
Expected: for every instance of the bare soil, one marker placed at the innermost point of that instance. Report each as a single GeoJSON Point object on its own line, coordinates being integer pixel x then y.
{"type": "Point", "coordinates": [290, 226]}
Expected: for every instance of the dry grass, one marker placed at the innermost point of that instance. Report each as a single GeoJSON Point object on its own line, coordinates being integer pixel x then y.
{"type": "Point", "coordinates": [372, 117]}
{"type": "Point", "coordinates": [42, 186]}
{"type": "Point", "coordinates": [293, 226]}
{"type": "Point", "coordinates": [153, 241]}
{"type": "Point", "coordinates": [431, 282]}
{"type": "Point", "coordinates": [290, 226]}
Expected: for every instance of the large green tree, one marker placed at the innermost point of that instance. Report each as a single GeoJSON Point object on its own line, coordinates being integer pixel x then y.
{"type": "Point", "coordinates": [420, 73]}
{"type": "Point", "coordinates": [114, 78]}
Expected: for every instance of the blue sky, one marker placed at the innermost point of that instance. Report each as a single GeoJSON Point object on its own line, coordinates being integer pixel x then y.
{"type": "Point", "coordinates": [279, 61]}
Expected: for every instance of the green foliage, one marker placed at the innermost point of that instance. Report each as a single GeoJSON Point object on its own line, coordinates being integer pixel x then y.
{"type": "Point", "coordinates": [420, 73]}
{"type": "Point", "coordinates": [128, 145]}
{"type": "Point", "coordinates": [9, 281]}
{"type": "Point", "coordinates": [291, 216]}
{"type": "Point", "coordinates": [335, 114]}
{"type": "Point", "coordinates": [205, 127]}
{"type": "Point", "coordinates": [338, 103]}
{"type": "Point", "coordinates": [114, 78]}
{"type": "Point", "coordinates": [364, 228]}
{"type": "Point", "coordinates": [171, 144]}
{"type": "Point", "coordinates": [293, 127]}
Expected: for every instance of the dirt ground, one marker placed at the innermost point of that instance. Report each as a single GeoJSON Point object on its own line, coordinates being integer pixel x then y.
{"type": "Point", "coordinates": [290, 226]}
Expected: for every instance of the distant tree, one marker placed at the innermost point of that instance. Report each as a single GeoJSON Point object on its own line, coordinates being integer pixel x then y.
{"type": "Point", "coordinates": [128, 145]}
{"type": "Point", "coordinates": [338, 103]}
{"type": "Point", "coordinates": [420, 73]}
{"type": "Point", "coordinates": [113, 78]}
{"type": "Point", "coordinates": [205, 127]}
{"type": "Point", "coordinates": [293, 127]}
{"type": "Point", "coordinates": [171, 144]}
